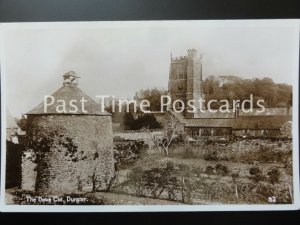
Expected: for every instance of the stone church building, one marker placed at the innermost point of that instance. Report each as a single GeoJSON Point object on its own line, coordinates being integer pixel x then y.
{"type": "Point", "coordinates": [185, 83]}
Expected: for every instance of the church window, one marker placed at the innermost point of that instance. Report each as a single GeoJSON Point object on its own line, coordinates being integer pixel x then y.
{"type": "Point", "coordinates": [174, 73]}
{"type": "Point", "coordinates": [180, 73]}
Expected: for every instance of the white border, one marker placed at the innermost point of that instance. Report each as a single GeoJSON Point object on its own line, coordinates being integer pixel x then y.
{"type": "Point", "coordinates": [150, 208]}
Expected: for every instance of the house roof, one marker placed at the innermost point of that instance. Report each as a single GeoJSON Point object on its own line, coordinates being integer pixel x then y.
{"type": "Point", "coordinates": [67, 93]}
{"type": "Point", "coordinates": [260, 122]}
{"type": "Point", "coordinates": [207, 114]}
{"type": "Point", "coordinates": [267, 112]}
{"type": "Point", "coordinates": [256, 112]}
{"type": "Point", "coordinates": [242, 122]}
{"type": "Point", "coordinates": [209, 122]}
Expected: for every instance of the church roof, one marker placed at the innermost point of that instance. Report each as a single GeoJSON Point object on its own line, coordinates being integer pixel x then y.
{"type": "Point", "coordinates": [69, 91]}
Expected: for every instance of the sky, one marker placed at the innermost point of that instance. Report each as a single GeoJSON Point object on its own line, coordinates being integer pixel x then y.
{"type": "Point", "coordinates": [120, 58]}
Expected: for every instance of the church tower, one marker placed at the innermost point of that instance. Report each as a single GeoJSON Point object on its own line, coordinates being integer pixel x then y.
{"type": "Point", "coordinates": [185, 80]}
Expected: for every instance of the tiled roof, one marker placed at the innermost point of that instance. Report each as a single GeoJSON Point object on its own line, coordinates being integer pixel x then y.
{"type": "Point", "coordinates": [268, 112]}
{"type": "Point", "coordinates": [68, 93]}
{"type": "Point", "coordinates": [211, 122]}
{"type": "Point", "coordinates": [260, 122]}
{"type": "Point", "coordinates": [207, 114]}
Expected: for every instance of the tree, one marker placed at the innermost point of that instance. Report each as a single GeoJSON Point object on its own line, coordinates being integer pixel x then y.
{"type": "Point", "coordinates": [153, 96]}
{"type": "Point", "coordinates": [273, 94]}
{"type": "Point", "coordinates": [172, 128]}
{"type": "Point", "coordinates": [129, 122]}
{"type": "Point", "coordinates": [142, 121]}
{"type": "Point", "coordinates": [148, 121]}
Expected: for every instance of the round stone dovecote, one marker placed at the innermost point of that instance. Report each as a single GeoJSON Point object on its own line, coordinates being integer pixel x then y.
{"type": "Point", "coordinates": [72, 152]}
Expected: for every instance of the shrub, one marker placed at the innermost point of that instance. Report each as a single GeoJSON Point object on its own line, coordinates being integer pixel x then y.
{"type": "Point", "coordinates": [127, 152]}
{"type": "Point", "coordinates": [273, 175]}
{"type": "Point", "coordinates": [254, 170]}
{"type": "Point", "coordinates": [222, 169]}
{"type": "Point", "coordinates": [211, 156]}
{"type": "Point", "coordinates": [135, 177]}
{"type": "Point", "coordinates": [256, 174]}
{"type": "Point", "coordinates": [197, 171]}
{"type": "Point", "coordinates": [183, 168]}
{"type": "Point", "coordinates": [210, 170]}
{"type": "Point", "coordinates": [160, 180]}
{"type": "Point", "coordinates": [270, 154]}
{"type": "Point", "coordinates": [235, 176]}
{"type": "Point", "coordinates": [170, 165]}
{"type": "Point", "coordinates": [188, 154]}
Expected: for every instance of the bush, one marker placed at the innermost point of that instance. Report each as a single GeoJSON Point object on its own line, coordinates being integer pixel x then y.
{"type": "Point", "coordinates": [218, 169]}
{"type": "Point", "coordinates": [210, 170]}
{"type": "Point", "coordinates": [222, 169]}
{"type": "Point", "coordinates": [188, 154]}
{"type": "Point", "coordinates": [160, 180]}
{"type": "Point", "coordinates": [127, 152]}
{"type": "Point", "coordinates": [270, 154]}
{"type": "Point", "coordinates": [256, 174]}
{"type": "Point", "coordinates": [170, 165]}
{"type": "Point", "coordinates": [211, 156]}
{"type": "Point", "coordinates": [143, 121]}
{"type": "Point", "coordinates": [273, 175]}
{"type": "Point", "coordinates": [135, 177]}
{"type": "Point", "coordinates": [254, 171]}
{"type": "Point", "coordinates": [235, 176]}
{"type": "Point", "coordinates": [197, 171]}
{"type": "Point", "coordinates": [183, 167]}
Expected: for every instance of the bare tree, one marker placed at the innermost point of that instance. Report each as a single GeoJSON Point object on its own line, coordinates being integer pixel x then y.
{"type": "Point", "coordinates": [171, 128]}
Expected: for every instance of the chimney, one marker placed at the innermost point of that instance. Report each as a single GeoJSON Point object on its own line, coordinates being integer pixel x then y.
{"type": "Point", "coordinates": [70, 79]}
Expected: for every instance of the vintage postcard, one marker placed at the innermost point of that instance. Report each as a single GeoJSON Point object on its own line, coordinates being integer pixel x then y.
{"type": "Point", "coordinates": [150, 116]}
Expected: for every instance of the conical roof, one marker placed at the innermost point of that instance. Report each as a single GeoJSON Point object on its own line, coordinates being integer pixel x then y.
{"type": "Point", "coordinates": [67, 93]}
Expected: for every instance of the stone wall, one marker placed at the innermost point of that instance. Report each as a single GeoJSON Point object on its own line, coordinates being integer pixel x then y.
{"type": "Point", "coordinates": [73, 153]}
{"type": "Point", "coordinates": [256, 133]}
{"type": "Point", "coordinates": [147, 137]}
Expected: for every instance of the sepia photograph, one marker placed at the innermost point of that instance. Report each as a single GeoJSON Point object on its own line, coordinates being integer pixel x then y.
{"type": "Point", "coordinates": [150, 115]}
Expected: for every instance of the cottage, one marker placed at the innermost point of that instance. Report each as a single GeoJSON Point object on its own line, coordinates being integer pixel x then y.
{"type": "Point", "coordinates": [208, 127]}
